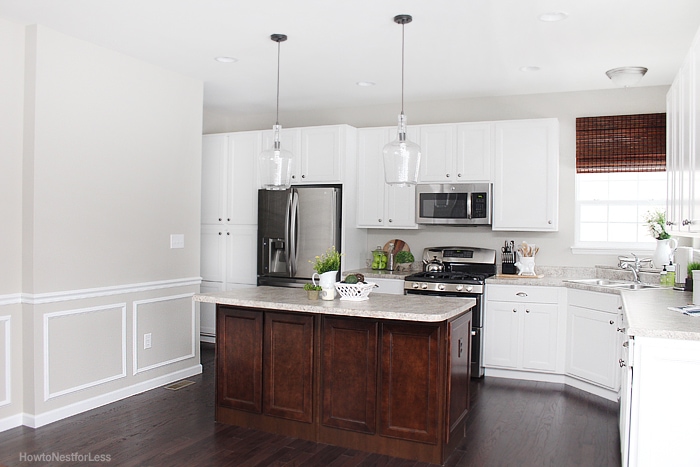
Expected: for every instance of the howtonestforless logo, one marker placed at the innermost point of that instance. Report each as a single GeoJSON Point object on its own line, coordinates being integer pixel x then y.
{"type": "Point", "coordinates": [59, 457]}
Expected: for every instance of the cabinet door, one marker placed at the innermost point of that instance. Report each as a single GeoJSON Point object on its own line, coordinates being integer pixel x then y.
{"type": "Point", "coordinates": [401, 207]}
{"type": "Point", "coordinates": [242, 186]}
{"type": "Point", "coordinates": [410, 381]}
{"type": "Point", "coordinates": [474, 148]}
{"type": "Point", "coordinates": [437, 144]}
{"type": "Point", "coordinates": [673, 158]}
{"type": "Point", "coordinates": [321, 155]}
{"type": "Point", "coordinates": [239, 359]}
{"type": "Point", "coordinates": [214, 151]}
{"type": "Point", "coordinates": [539, 336]}
{"type": "Point", "coordinates": [459, 342]}
{"type": "Point", "coordinates": [370, 184]}
{"type": "Point", "coordinates": [349, 374]}
{"type": "Point", "coordinates": [592, 346]}
{"type": "Point", "coordinates": [213, 253]}
{"type": "Point", "coordinates": [241, 254]}
{"type": "Point", "coordinates": [288, 364]}
{"type": "Point", "coordinates": [526, 182]}
{"type": "Point", "coordinates": [501, 333]}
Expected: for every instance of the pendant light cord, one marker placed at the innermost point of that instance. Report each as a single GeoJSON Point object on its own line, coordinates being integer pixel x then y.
{"type": "Point", "coordinates": [403, 27]}
{"type": "Point", "coordinates": [277, 115]}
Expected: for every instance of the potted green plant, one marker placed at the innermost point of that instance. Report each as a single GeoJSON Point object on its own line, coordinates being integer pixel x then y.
{"type": "Point", "coordinates": [405, 260]}
{"type": "Point", "coordinates": [689, 280]}
{"type": "Point", "coordinates": [326, 267]}
{"type": "Point", "coordinates": [312, 291]}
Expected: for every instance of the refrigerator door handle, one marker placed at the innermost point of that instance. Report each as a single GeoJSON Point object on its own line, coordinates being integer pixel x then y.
{"type": "Point", "coordinates": [287, 224]}
{"type": "Point", "coordinates": [293, 229]}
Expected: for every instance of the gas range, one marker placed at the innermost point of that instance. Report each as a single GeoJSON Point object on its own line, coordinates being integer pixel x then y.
{"type": "Point", "coordinates": [458, 282]}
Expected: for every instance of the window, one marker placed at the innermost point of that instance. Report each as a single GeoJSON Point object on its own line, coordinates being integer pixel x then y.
{"type": "Point", "coordinates": [620, 165]}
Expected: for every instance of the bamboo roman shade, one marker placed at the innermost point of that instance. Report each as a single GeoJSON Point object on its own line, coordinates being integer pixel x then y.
{"type": "Point", "coordinates": [621, 143]}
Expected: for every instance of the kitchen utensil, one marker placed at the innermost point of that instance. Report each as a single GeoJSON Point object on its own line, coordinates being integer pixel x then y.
{"type": "Point", "coordinates": [434, 265]}
{"type": "Point", "coordinates": [399, 245]}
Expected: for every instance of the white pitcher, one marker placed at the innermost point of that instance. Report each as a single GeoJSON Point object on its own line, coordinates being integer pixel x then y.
{"type": "Point", "coordinates": [662, 255]}
{"type": "Point", "coordinates": [327, 283]}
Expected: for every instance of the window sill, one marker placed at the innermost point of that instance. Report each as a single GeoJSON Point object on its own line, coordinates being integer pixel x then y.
{"type": "Point", "coordinates": [617, 250]}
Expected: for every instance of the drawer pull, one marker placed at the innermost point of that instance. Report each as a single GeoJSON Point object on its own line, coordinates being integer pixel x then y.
{"type": "Point", "coordinates": [622, 363]}
{"type": "Point", "coordinates": [620, 329]}
{"type": "Point", "coordinates": [521, 294]}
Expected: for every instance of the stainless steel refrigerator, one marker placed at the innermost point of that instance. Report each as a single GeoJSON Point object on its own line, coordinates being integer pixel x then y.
{"type": "Point", "coordinates": [295, 226]}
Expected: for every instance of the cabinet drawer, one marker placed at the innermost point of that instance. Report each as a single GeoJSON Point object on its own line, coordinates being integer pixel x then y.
{"type": "Point", "coordinates": [602, 301]}
{"type": "Point", "coordinates": [522, 294]}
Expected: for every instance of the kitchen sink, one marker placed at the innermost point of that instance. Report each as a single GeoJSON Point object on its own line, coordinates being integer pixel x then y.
{"type": "Point", "coordinates": [622, 285]}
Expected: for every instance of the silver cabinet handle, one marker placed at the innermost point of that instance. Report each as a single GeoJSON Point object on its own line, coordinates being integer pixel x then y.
{"type": "Point", "coordinates": [447, 175]}
{"type": "Point", "coordinates": [391, 220]}
{"type": "Point", "coordinates": [379, 220]}
{"type": "Point", "coordinates": [521, 294]}
{"type": "Point", "coordinates": [620, 329]}
{"type": "Point", "coordinates": [515, 310]}
{"type": "Point", "coordinates": [622, 363]}
{"type": "Point", "coordinates": [612, 322]}
{"type": "Point", "coordinates": [527, 311]}
{"type": "Point", "coordinates": [459, 175]}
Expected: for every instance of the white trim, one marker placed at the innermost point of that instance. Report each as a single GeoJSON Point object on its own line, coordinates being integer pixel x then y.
{"type": "Point", "coordinates": [13, 421]}
{"type": "Point", "coordinates": [52, 297]}
{"type": "Point", "coordinates": [8, 361]}
{"type": "Point", "coordinates": [607, 250]}
{"type": "Point", "coordinates": [136, 340]}
{"type": "Point", "coordinates": [11, 299]}
{"type": "Point", "coordinates": [36, 421]}
{"type": "Point", "coordinates": [47, 392]}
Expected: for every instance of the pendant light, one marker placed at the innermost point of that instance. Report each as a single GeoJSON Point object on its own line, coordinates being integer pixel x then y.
{"type": "Point", "coordinates": [275, 164]}
{"type": "Point", "coordinates": [401, 156]}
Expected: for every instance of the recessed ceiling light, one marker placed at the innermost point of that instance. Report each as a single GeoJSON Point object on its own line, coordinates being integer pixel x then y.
{"type": "Point", "coordinates": [365, 84]}
{"type": "Point", "coordinates": [553, 16]}
{"type": "Point", "coordinates": [226, 59]}
{"type": "Point", "coordinates": [529, 68]}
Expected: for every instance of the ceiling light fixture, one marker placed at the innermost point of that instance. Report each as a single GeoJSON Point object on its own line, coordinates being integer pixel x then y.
{"type": "Point", "coordinates": [626, 76]}
{"type": "Point", "coordinates": [401, 156]}
{"type": "Point", "coordinates": [553, 16]}
{"type": "Point", "coordinates": [275, 164]}
{"type": "Point", "coordinates": [226, 59]}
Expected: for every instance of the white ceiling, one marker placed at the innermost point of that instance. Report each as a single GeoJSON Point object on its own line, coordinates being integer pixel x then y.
{"type": "Point", "coordinates": [454, 48]}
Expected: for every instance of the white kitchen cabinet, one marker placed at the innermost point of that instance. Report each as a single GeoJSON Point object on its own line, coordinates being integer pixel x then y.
{"type": "Point", "coordinates": [229, 254]}
{"type": "Point", "coordinates": [319, 152]}
{"type": "Point", "coordinates": [593, 346]}
{"type": "Point", "coordinates": [521, 328]}
{"type": "Point", "coordinates": [229, 178]}
{"type": "Point", "coordinates": [526, 175]}
{"type": "Point", "coordinates": [378, 204]}
{"type": "Point", "coordinates": [452, 153]}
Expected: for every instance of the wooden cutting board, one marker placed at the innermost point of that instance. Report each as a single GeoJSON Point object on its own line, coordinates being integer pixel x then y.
{"type": "Point", "coordinates": [399, 245]}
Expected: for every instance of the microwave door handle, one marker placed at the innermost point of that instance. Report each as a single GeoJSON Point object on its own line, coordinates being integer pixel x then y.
{"type": "Point", "coordinates": [294, 229]}
{"type": "Point", "coordinates": [469, 205]}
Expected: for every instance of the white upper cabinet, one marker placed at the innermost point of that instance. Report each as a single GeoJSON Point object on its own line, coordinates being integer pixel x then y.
{"type": "Point", "coordinates": [378, 204]}
{"type": "Point", "coordinates": [526, 175]}
{"type": "Point", "coordinates": [453, 153]}
{"type": "Point", "coordinates": [229, 178]}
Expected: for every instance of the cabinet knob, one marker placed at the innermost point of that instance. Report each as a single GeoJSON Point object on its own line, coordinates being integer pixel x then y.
{"type": "Point", "coordinates": [527, 311]}
{"type": "Point", "coordinates": [219, 219]}
{"type": "Point", "coordinates": [293, 177]}
{"type": "Point", "coordinates": [521, 294]}
{"type": "Point", "coordinates": [228, 219]}
{"type": "Point", "coordinates": [622, 363]}
{"type": "Point", "coordinates": [379, 220]}
{"type": "Point", "coordinates": [669, 223]}
{"type": "Point", "coordinates": [686, 222]}
{"type": "Point", "coordinates": [229, 233]}
{"type": "Point", "coordinates": [220, 234]}
{"type": "Point", "coordinates": [612, 322]}
{"type": "Point", "coordinates": [391, 220]}
{"type": "Point", "coordinates": [515, 310]}
{"type": "Point", "coordinates": [620, 329]}
{"type": "Point", "coordinates": [459, 175]}
{"type": "Point", "coordinates": [303, 176]}
{"type": "Point", "coordinates": [626, 344]}
{"type": "Point", "coordinates": [549, 222]}
{"type": "Point", "coordinates": [447, 175]}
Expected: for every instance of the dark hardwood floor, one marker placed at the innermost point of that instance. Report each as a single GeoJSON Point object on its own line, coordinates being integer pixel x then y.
{"type": "Point", "coordinates": [516, 423]}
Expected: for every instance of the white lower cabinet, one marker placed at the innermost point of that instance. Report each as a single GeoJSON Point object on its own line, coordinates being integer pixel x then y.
{"type": "Point", "coordinates": [522, 328]}
{"type": "Point", "coordinates": [593, 342]}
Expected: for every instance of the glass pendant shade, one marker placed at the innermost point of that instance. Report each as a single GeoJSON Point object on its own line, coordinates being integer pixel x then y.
{"type": "Point", "coordinates": [275, 165]}
{"type": "Point", "coordinates": [401, 158]}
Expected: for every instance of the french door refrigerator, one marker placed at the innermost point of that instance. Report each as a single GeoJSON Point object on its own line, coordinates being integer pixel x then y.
{"type": "Point", "coordinates": [295, 226]}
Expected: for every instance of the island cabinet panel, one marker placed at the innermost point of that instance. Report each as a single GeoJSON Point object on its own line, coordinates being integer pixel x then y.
{"type": "Point", "coordinates": [459, 339]}
{"type": "Point", "coordinates": [410, 372]}
{"type": "Point", "coordinates": [239, 360]}
{"type": "Point", "coordinates": [349, 374]}
{"type": "Point", "coordinates": [288, 366]}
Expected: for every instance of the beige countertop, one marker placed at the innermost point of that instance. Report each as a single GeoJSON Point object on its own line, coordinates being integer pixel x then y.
{"type": "Point", "coordinates": [647, 314]}
{"type": "Point", "coordinates": [383, 306]}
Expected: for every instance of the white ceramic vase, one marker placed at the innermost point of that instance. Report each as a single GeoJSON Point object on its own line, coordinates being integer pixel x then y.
{"type": "Point", "coordinates": [662, 255]}
{"type": "Point", "coordinates": [327, 283]}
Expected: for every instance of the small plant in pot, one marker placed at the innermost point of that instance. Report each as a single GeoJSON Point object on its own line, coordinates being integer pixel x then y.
{"type": "Point", "coordinates": [405, 260]}
{"type": "Point", "coordinates": [312, 291]}
{"type": "Point", "coordinates": [689, 280]}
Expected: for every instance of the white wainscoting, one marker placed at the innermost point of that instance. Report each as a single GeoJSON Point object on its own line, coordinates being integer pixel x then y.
{"type": "Point", "coordinates": [157, 324]}
{"type": "Point", "coordinates": [5, 360]}
{"type": "Point", "coordinates": [68, 347]}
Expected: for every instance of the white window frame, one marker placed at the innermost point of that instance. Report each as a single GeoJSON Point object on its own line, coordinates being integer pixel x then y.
{"type": "Point", "coordinates": [608, 247]}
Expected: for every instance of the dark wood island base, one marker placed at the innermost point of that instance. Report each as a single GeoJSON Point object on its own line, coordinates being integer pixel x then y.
{"type": "Point", "coordinates": [393, 387]}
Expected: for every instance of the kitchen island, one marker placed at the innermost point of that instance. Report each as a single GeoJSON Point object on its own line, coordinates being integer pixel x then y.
{"type": "Point", "coordinates": [388, 375]}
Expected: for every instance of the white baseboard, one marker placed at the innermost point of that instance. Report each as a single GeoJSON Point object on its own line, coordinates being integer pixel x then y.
{"type": "Point", "coordinates": [207, 338]}
{"type": "Point", "coordinates": [36, 421]}
{"type": "Point", "coordinates": [585, 386]}
{"type": "Point", "coordinates": [13, 421]}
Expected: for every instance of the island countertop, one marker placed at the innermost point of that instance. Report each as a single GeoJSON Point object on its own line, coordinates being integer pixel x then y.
{"type": "Point", "coordinates": [383, 306]}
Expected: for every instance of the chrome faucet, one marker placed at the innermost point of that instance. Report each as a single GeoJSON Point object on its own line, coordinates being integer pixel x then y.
{"type": "Point", "coordinates": [634, 269]}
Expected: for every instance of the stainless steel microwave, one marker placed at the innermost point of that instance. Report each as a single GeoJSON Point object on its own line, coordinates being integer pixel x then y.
{"type": "Point", "coordinates": [454, 204]}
